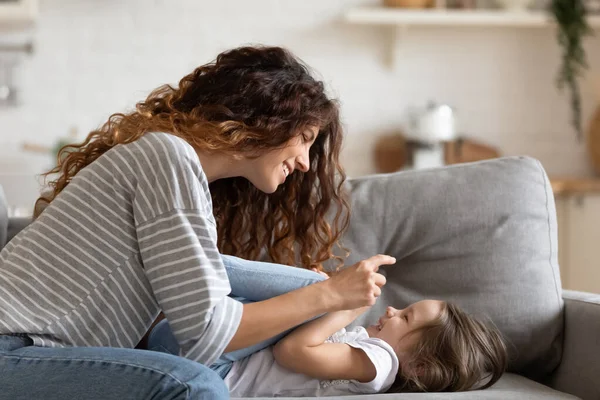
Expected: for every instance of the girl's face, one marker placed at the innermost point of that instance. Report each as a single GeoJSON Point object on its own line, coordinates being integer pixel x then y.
{"type": "Point", "coordinates": [395, 325]}
{"type": "Point", "coordinates": [271, 169]}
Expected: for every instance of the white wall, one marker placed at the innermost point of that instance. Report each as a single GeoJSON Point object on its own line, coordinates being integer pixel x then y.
{"type": "Point", "coordinates": [93, 58]}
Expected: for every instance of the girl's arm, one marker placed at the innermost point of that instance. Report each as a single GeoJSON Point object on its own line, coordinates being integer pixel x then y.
{"type": "Point", "coordinates": [314, 333]}
{"type": "Point", "coordinates": [304, 350]}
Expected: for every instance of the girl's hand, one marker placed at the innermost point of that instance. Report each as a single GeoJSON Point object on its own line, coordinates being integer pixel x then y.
{"type": "Point", "coordinates": [322, 273]}
{"type": "Point", "coordinates": [358, 285]}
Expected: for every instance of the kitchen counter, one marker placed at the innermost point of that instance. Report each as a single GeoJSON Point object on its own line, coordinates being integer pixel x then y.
{"type": "Point", "coordinates": [574, 186]}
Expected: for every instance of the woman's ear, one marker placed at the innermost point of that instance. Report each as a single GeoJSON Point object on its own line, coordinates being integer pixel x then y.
{"type": "Point", "coordinates": [238, 156]}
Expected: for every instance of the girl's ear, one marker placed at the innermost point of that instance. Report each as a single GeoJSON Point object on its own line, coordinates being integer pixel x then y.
{"type": "Point", "coordinates": [413, 369]}
{"type": "Point", "coordinates": [419, 369]}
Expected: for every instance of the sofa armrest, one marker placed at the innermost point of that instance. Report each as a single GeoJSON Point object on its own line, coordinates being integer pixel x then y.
{"type": "Point", "coordinates": [579, 369]}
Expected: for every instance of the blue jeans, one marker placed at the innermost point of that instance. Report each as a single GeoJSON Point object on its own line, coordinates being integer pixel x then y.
{"type": "Point", "coordinates": [250, 281]}
{"type": "Point", "coordinates": [100, 373]}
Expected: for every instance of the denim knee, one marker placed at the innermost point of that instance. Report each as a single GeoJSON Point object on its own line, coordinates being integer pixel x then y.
{"type": "Point", "coordinates": [207, 384]}
{"type": "Point", "coordinates": [190, 380]}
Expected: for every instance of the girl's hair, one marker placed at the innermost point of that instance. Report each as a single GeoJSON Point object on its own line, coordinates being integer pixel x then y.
{"type": "Point", "coordinates": [250, 100]}
{"type": "Point", "coordinates": [454, 353]}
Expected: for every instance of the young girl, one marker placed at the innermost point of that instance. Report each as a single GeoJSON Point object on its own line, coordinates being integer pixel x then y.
{"type": "Point", "coordinates": [430, 346]}
{"type": "Point", "coordinates": [240, 157]}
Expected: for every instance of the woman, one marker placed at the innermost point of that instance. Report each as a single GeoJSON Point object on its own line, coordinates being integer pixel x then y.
{"type": "Point", "coordinates": [246, 147]}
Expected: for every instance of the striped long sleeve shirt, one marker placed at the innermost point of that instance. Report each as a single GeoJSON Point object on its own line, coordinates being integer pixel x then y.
{"type": "Point", "coordinates": [132, 234]}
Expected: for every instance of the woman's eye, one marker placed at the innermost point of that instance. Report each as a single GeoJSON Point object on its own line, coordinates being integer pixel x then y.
{"type": "Point", "coordinates": [307, 139]}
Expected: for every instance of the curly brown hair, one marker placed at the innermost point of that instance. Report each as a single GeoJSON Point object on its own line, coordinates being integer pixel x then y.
{"type": "Point", "coordinates": [456, 352]}
{"type": "Point", "coordinates": [248, 101]}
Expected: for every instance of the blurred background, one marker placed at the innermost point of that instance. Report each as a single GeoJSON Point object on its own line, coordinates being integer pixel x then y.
{"type": "Point", "coordinates": [421, 84]}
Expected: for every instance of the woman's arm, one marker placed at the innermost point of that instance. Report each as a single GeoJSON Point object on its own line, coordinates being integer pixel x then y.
{"type": "Point", "coordinates": [267, 318]}
{"type": "Point", "coordinates": [356, 286]}
{"type": "Point", "coordinates": [304, 350]}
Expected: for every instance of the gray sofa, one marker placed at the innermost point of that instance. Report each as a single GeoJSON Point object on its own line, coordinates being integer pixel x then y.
{"type": "Point", "coordinates": [482, 235]}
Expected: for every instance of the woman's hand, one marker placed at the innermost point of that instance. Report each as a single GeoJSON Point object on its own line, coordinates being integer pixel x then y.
{"type": "Point", "coordinates": [358, 285]}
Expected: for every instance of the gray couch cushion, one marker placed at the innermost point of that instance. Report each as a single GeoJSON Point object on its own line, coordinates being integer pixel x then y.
{"type": "Point", "coordinates": [508, 387]}
{"type": "Point", "coordinates": [482, 235]}
{"type": "Point", "coordinates": [3, 218]}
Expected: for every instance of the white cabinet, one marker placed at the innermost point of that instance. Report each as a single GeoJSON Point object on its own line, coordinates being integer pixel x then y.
{"type": "Point", "coordinates": [579, 240]}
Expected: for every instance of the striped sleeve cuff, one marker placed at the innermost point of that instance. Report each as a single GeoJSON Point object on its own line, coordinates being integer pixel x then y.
{"type": "Point", "coordinates": [223, 325]}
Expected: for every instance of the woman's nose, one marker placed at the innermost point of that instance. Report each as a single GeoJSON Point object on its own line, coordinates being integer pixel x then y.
{"type": "Point", "coordinates": [302, 162]}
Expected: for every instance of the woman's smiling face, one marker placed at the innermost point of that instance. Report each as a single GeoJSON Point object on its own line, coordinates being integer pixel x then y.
{"type": "Point", "coordinates": [271, 169]}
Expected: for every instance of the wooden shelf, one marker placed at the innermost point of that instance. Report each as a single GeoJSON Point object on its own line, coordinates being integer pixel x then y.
{"type": "Point", "coordinates": [398, 20]}
{"type": "Point", "coordinates": [437, 17]}
{"type": "Point", "coordinates": [574, 186]}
